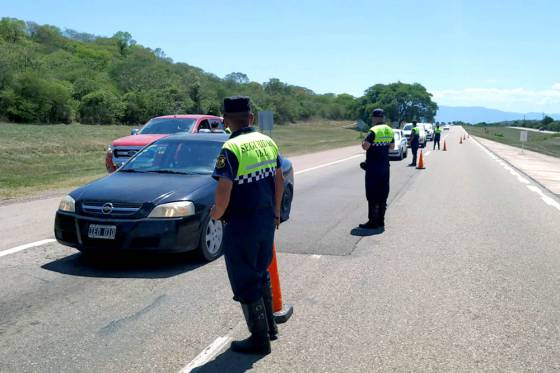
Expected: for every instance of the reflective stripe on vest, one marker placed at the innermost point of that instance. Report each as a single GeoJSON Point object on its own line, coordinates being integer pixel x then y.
{"type": "Point", "coordinates": [257, 155]}
{"type": "Point", "coordinates": [384, 135]}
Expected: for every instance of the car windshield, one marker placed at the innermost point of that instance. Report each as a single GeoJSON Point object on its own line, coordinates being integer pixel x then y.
{"type": "Point", "coordinates": [167, 126]}
{"type": "Point", "coordinates": [176, 157]}
{"type": "Point", "coordinates": [407, 127]}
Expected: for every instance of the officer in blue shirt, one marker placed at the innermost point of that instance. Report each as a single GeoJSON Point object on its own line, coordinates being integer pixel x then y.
{"type": "Point", "coordinates": [248, 199]}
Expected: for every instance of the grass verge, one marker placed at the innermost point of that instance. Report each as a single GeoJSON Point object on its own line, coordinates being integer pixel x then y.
{"type": "Point", "coordinates": [539, 142]}
{"type": "Point", "coordinates": [40, 158]}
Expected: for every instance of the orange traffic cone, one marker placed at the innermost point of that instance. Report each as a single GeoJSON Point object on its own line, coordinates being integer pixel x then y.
{"type": "Point", "coordinates": [444, 146]}
{"type": "Point", "coordinates": [421, 161]}
{"type": "Point", "coordinates": [460, 140]}
{"type": "Point", "coordinates": [281, 313]}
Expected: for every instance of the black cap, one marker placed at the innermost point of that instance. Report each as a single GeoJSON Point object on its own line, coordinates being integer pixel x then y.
{"type": "Point", "coordinates": [237, 104]}
{"type": "Point", "coordinates": [378, 113]}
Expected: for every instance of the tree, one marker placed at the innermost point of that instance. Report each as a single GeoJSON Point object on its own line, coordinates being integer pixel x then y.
{"type": "Point", "coordinates": [547, 120]}
{"type": "Point", "coordinates": [34, 99]}
{"type": "Point", "coordinates": [400, 101]}
{"type": "Point", "coordinates": [124, 41]}
{"type": "Point", "coordinates": [237, 78]}
{"type": "Point", "coordinates": [101, 107]}
{"type": "Point", "coordinates": [12, 30]}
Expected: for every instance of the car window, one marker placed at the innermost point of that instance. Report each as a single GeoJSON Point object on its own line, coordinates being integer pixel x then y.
{"type": "Point", "coordinates": [216, 124]}
{"type": "Point", "coordinates": [204, 125]}
{"type": "Point", "coordinates": [167, 126]}
{"type": "Point", "coordinates": [188, 157]}
{"type": "Point", "coordinates": [407, 127]}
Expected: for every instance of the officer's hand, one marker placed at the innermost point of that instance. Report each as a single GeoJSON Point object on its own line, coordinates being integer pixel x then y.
{"type": "Point", "coordinates": [277, 221]}
{"type": "Point", "coordinates": [213, 213]}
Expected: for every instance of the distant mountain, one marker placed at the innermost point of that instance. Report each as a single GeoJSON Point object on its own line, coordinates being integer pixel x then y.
{"type": "Point", "coordinates": [477, 114]}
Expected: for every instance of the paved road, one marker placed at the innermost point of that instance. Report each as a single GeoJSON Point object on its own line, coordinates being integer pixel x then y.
{"type": "Point", "coordinates": [464, 278]}
{"type": "Point", "coordinates": [534, 130]}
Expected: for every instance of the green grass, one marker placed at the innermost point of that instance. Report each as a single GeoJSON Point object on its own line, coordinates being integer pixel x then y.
{"type": "Point", "coordinates": [540, 142]}
{"type": "Point", "coordinates": [307, 137]}
{"type": "Point", "coordinates": [40, 158]}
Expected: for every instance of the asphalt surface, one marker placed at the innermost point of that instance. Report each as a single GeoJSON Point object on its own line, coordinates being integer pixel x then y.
{"type": "Point", "coordinates": [464, 278]}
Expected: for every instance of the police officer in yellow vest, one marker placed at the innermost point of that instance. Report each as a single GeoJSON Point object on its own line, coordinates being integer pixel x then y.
{"type": "Point", "coordinates": [414, 142]}
{"type": "Point", "coordinates": [437, 136]}
{"type": "Point", "coordinates": [248, 199]}
{"type": "Point", "coordinates": [379, 140]}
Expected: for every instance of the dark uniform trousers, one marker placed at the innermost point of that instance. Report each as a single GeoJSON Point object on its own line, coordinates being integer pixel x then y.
{"type": "Point", "coordinates": [414, 148]}
{"type": "Point", "coordinates": [248, 241]}
{"type": "Point", "coordinates": [377, 192]}
{"type": "Point", "coordinates": [436, 141]}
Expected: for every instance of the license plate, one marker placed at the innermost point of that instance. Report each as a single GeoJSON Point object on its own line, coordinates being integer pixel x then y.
{"type": "Point", "coordinates": [104, 232]}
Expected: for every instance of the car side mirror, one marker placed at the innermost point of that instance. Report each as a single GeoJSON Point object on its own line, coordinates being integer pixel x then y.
{"type": "Point", "coordinates": [134, 131]}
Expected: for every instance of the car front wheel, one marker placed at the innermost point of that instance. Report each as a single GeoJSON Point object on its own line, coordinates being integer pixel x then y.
{"type": "Point", "coordinates": [211, 242]}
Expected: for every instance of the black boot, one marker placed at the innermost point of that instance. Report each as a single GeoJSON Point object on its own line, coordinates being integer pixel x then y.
{"type": "Point", "coordinates": [258, 342]}
{"type": "Point", "coordinates": [267, 298]}
{"type": "Point", "coordinates": [373, 214]}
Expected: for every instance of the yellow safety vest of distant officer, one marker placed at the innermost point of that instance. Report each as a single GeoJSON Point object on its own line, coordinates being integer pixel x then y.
{"type": "Point", "coordinates": [379, 141]}
{"type": "Point", "coordinates": [248, 198]}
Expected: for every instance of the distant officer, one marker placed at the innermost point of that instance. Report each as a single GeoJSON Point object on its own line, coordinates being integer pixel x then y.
{"type": "Point", "coordinates": [379, 140]}
{"type": "Point", "coordinates": [437, 136]}
{"type": "Point", "coordinates": [414, 142]}
{"type": "Point", "coordinates": [248, 200]}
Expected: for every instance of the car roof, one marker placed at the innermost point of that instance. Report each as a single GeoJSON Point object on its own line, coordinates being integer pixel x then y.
{"type": "Point", "coordinates": [188, 116]}
{"type": "Point", "coordinates": [204, 137]}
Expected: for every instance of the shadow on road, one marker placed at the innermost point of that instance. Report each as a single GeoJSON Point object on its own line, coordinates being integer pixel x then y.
{"type": "Point", "coordinates": [126, 266]}
{"type": "Point", "coordinates": [229, 362]}
{"type": "Point", "coordinates": [361, 232]}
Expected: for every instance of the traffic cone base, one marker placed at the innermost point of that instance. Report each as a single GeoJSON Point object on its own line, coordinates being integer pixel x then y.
{"type": "Point", "coordinates": [421, 161]}
{"type": "Point", "coordinates": [281, 313]}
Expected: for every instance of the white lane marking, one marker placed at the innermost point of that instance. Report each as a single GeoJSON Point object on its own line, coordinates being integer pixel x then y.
{"type": "Point", "coordinates": [315, 256]}
{"type": "Point", "coordinates": [327, 164]}
{"type": "Point", "coordinates": [208, 354]}
{"type": "Point", "coordinates": [546, 199]}
{"type": "Point", "coordinates": [25, 247]}
{"type": "Point", "coordinates": [428, 153]}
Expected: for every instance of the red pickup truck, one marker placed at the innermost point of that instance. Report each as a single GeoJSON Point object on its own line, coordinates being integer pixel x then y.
{"type": "Point", "coordinates": [122, 149]}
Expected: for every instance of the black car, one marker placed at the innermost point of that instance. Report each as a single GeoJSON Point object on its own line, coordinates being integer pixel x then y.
{"type": "Point", "coordinates": [159, 200]}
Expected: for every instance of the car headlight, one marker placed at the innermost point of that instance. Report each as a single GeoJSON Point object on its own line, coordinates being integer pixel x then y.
{"type": "Point", "coordinates": [173, 210]}
{"type": "Point", "coordinates": [109, 148]}
{"type": "Point", "coordinates": [67, 204]}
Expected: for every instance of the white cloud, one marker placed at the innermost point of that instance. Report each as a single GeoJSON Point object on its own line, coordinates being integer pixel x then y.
{"type": "Point", "coordinates": [507, 99]}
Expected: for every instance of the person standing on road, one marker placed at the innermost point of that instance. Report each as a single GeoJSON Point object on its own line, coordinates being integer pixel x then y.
{"type": "Point", "coordinates": [437, 136]}
{"type": "Point", "coordinates": [248, 200]}
{"type": "Point", "coordinates": [414, 142]}
{"type": "Point", "coordinates": [379, 140]}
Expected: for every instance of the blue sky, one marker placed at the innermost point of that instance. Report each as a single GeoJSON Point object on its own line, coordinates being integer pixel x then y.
{"type": "Point", "coordinates": [494, 53]}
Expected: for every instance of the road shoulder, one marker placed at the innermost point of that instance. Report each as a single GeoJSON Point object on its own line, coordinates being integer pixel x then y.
{"type": "Point", "coordinates": [543, 169]}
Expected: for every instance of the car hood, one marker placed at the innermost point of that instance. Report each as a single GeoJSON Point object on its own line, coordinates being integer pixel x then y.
{"type": "Point", "coordinates": [141, 188]}
{"type": "Point", "coordinates": [136, 140]}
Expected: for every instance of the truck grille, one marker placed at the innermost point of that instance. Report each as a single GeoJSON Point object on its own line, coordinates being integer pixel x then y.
{"type": "Point", "coordinates": [124, 153]}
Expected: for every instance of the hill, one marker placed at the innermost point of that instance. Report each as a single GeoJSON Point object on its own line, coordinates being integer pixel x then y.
{"type": "Point", "coordinates": [53, 76]}
{"type": "Point", "coordinates": [477, 114]}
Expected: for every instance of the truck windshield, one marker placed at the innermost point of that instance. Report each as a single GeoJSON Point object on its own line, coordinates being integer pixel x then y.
{"type": "Point", "coordinates": [178, 157]}
{"type": "Point", "coordinates": [167, 126]}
